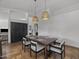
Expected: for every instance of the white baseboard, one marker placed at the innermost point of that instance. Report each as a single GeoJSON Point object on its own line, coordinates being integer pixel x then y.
{"type": "Point", "coordinates": [72, 43]}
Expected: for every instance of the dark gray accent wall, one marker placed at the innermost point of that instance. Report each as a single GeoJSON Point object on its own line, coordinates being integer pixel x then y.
{"type": "Point", "coordinates": [18, 30]}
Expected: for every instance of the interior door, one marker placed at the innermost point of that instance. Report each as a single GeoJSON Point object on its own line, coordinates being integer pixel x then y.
{"type": "Point", "coordinates": [18, 30]}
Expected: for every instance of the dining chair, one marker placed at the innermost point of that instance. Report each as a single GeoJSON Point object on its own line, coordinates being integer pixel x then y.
{"type": "Point", "coordinates": [58, 47]}
{"type": "Point", "coordinates": [36, 48]}
{"type": "Point", "coordinates": [25, 43]}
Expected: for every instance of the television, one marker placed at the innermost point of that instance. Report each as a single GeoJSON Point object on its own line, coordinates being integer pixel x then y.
{"type": "Point", "coordinates": [4, 30]}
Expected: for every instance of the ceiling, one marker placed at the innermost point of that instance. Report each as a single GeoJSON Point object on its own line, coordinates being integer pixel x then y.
{"type": "Point", "coordinates": [28, 5]}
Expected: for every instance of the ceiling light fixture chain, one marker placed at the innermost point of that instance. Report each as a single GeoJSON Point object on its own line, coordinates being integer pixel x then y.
{"type": "Point", "coordinates": [45, 4]}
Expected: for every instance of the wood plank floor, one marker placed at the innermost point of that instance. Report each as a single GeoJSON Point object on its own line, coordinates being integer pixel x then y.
{"type": "Point", "coordinates": [14, 51]}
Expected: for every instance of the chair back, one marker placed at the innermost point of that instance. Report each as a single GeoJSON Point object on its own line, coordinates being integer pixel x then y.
{"type": "Point", "coordinates": [61, 43]}
{"type": "Point", "coordinates": [34, 45]}
{"type": "Point", "coordinates": [24, 39]}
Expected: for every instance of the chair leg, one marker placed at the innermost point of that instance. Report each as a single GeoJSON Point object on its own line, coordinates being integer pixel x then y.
{"type": "Point", "coordinates": [50, 52]}
{"type": "Point", "coordinates": [64, 54]}
{"type": "Point", "coordinates": [30, 52]}
{"type": "Point", "coordinates": [24, 48]}
{"type": "Point", "coordinates": [64, 51]}
{"type": "Point", "coordinates": [61, 56]}
{"type": "Point", "coordinates": [36, 55]}
{"type": "Point", "coordinates": [44, 52]}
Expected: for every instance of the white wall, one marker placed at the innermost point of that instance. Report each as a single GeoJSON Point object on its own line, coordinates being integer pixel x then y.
{"type": "Point", "coordinates": [43, 27]}
{"type": "Point", "coordinates": [64, 25]}
{"type": "Point", "coordinates": [3, 24]}
{"type": "Point", "coordinates": [7, 14]}
{"type": "Point", "coordinates": [4, 20]}
{"type": "Point", "coordinates": [18, 15]}
{"type": "Point", "coordinates": [67, 26]}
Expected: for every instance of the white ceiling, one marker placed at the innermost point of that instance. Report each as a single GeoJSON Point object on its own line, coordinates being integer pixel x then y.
{"type": "Point", "coordinates": [28, 5]}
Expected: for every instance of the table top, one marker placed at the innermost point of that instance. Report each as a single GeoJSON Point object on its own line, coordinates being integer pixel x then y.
{"type": "Point", "coordinates": [45, 40]}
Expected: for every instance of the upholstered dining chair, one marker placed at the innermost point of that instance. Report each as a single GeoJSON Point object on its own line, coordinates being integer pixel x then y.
{"type": "Point", "coordinates": [58, 47]}
{"type": "Point", "coordinates": [36, 48]}
{"type": "Point", "coordinates": [25, 43]}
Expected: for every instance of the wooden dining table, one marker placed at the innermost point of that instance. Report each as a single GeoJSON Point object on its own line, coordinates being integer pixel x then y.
{"type": "Point", "coordinates": [45, 40]}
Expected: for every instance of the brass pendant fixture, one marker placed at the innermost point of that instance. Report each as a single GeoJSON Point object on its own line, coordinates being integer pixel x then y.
{"type": "Point", "coordinates": [35, 18]}
{"type": "Point", "coordinates": [45, 14]}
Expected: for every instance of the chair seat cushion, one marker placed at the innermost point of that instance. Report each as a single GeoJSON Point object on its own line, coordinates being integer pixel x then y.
{"type": "Point", "coordinates": [55, 50]}
{"type": "Point", "coordinates": [33, 42]}
{"type": "Point", "coordinates": [26, 43]}
{"type": "Point", "coordinates": [56, 45]}
{"type": "Point", "coordinates": [39, 47]}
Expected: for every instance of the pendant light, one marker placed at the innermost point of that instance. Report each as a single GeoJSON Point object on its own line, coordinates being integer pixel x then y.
{"type": "Point", "coordinates": [45, 14]}
{"type": "Point", "coordinates": [35, 18]}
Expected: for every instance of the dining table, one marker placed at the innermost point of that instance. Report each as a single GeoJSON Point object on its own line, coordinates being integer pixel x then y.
{"type": "Point", "coordinates": [45, 40]}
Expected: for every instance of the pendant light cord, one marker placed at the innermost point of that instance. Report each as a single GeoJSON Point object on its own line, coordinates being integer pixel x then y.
{"type": "Point", "coordinates": [35, 7]}
{"type": "Point", "coordinates": [45, 4]}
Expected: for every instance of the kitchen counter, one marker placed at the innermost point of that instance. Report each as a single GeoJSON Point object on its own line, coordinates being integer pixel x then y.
{"type": "Point", "coordinates": [4, 36]}
{"type": "Point", "coordinates": [4, 33]}
{"type": "Point", "coordinates": [1, 40]}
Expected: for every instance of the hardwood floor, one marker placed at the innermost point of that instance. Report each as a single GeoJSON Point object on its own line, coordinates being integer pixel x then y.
{"type": "Point", "coordinates": [14, 51]}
